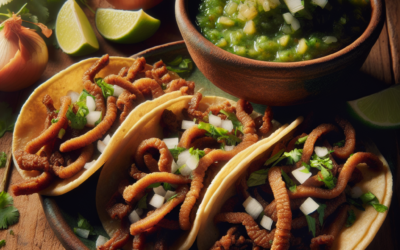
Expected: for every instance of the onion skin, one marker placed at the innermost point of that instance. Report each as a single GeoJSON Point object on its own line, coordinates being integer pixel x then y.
{"type": "Point", "coordinates": [30, 60]}
{"type": "Point", "coordinates": [134, 4]}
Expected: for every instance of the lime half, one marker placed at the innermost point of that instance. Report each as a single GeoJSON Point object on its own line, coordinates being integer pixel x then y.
{"type": "Point", "coordinates": [380, 110]}
{"type": "Point", "coordinates": [124, 26]}
{"type": "Point", "coordinates": [73, 31]}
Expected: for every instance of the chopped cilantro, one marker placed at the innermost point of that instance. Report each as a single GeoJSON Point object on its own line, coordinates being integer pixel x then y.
{"type": "Point", "coordinates": [83, 95]}
{"type": "Point", "coordinates": [180, 65]}
{"type": "Point", "coordinates": [219, 133]}
{"type": "Point", "coordinates": [167, 186]}
{"type": "Point", "coordinates": [351, 218]}
{"type": "Point", "coordinates": [3, 159]}
{"type": "Point", "coordinates": [142, 203]}
{"type": "Point", "coordinates": [357, 203]}
{"type": "Point", "coordinates": [107, 89]}
{"type": "Point", "coordinates": [289, 182]}
{"type": "Point", "coordinates": [370, 199]}
{"type": "Point", "coordinates": [301, 140]}
{"type": "Point", "coordinates": [339, 143]}
{"type": "Point", "coordinates": [2, 243]}
{"type": "Point", "coordinates": [237, 125]}
{"type": "Point", "coordinates": [77, 121]}
{"type": "Point", "coordinates": [179, 169]}
{"type": "Point", "coordinates": [197, 152]}
{"type": "Point", "coordinates": [164, 86]}
{"type": "Point", "coordinates": [54, 121]}
{"type": "Point", "coordinates": [257, 178]}
{"type": "Point", "coordinates": [84, 224]}
{"type": "Point", "coordinates": [6, 120]}
{"type": "Point", "coordinates": [9, 215]}
{"type": "Point", "coordinates": [307, 168]}
{"type": "Point", "coordinates": [176, 61]}
{"type": "Point", "coordinates": [274, 158]}
{"type": "Point", "coordinates": [154, 185]}
{"type": "Point", "coordinates": [327, 178]}
{"type": "Point", "coordinates": [321, 213]}
{"type": "Point", "coordinates": [174, 196]}
{"type": "Point", "coordinates": [311, 224]}
{"type": "Point", "coordinates": [317, 162]}
{"type": "Point", "coordinates": [12, 232]}
{"type": "Point", "coordinates": [293, 156]}
{"type": "Point", "coordinates": [176, 151]}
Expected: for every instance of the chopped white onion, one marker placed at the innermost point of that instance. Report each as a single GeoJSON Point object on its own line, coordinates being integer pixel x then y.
{"type": "Point", "coordinates": [229, 148]}
{"type": "Point", "coordinates": [84, 233]}
{"type": "Point", "coordinates": [227, 124]}
{"type": "Point", "coordinates": [356, 192]}
{"type": "Point", "coordinates": [252, 207]}
{"type": "Point", "coordinates": [159, 190]}
{"type": "Point", "coordinates": [288, 17]}
{"type": "Point", "coordinates": [300, 176]}
{"type": "Point", "coordinates": [139, 211]}
{"type": "Point", "coordinates": [187, 124]}
{"type": "Point", "coordinates": [171, 142]}
{"type": "Point", "coordinates": [192, 162]}
{"type": "Point", "coordinates": [321, 151]}
{"type": "Point", "coordinates": [157, 201]}
{"type": "Point", "coordinates": [101, 146]}
{"type": "Point", "coordinates": [91, 105]}
{"type": "Point", "coordinates": [93, 117]}
{"type": "Point", "coordinates": [107, 139]}
{"type": "Point", "coordinates": [89, 164]}
{"type": "Point", "coordinates": [266, 222]}
{"type": "Point", "coordinates": [294, 5]}
{"type": "Point", "coordinates": [101, 240]}
{"type": "Point", "coordinates": [295, 24]}
{"type": "Point", "coordinates": [185, 171]}
{"type": "Point", "coordinates": [266, 6]}
{"type": "Point", "coordinates": [74, 96]}
{"type": "Point", "coordinates": [174, 167]}
{"type": "Point", "coordinates": [329, 39]}
{"type": "Point", "coordinates": [320, 3]}
{"type": "Point", "coordinates": [182, 158]}
{"type": "Point", "coordinates": [309, 206]}
{"type": "Point", "coordinates": [274, 3]}
{"type": "Point", "coordinates": [169, 194]}
{"type": "Point", "coordinates": [214, 120]}
{"type": "Point", "coordinates": [117, 90]}
{"type": "Point", "coordinates": [134, 217]}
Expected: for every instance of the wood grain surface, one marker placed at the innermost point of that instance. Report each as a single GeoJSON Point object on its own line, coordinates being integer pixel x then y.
{"type": "Point", "coordinates": [33, 231]}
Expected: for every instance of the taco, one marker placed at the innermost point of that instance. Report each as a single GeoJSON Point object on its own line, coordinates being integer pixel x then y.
{"type": "Point", "coordinates": [84, 106]}
{"type": "Point", "coordinates": [296, 191]}
{"type": "Point", "coordinates": [169, 159]}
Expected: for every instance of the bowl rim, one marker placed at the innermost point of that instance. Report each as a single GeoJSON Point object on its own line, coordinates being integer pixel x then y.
{"type": "Point", "coordinates": [375, 25]}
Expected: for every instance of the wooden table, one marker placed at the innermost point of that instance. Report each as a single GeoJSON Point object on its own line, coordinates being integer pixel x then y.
{"type": "Point", "coordinates": [33, 231]}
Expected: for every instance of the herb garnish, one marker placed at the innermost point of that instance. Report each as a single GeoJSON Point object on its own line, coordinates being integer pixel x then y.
{"type": "Point", "coordinates": [181, 66]}
{"type": "Point", "coordinates": [370, 199]}
{"type": "Point", "coordinates": [107, 89]}
{"type": "Point", "coordinates": [142, 202]}
{"type": "Point", "coordinates": [176, 151]}
{"type": "Point", "coordinates": [219, 133]}
{"type": "Point", "coordinates": [289, 182]}
{"type": "Point", "coordinates": [237, 125]}
{"type": "Point", "coordinates": [3, 159]}
{"type": "Point", "coordinates": [174, 196]}
{"type": "Point", "coordinates": [351, 218]}
{"type": "Point", "coordinates": [301, 140]}
{"type": "Point", "coordinates": [9, 215]}
{"type": "Point", "coordinates": [84, 224]}
{"type": "Point", "coordinates": [257, 178]}
{"type": "Point", "coordinates": [6, 120]}
{"type": "Point", "coordinates": [311, 224]}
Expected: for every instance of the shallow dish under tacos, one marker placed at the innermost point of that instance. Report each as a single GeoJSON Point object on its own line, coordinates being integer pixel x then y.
{"type": "Point", "coordinates": [296, 191]}
{"type": "Point", "coordinates": [193, 139]}
{"type": "Point", "coordinates": [87, 105]}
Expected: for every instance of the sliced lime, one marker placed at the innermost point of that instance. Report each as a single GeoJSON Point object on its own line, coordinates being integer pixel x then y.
{"type": "Point", "coordinates": [380, 110]}
{"type": "Point", "coordinates": [124, 26]}
{"type": "Point", "coordinates": [73, 31]}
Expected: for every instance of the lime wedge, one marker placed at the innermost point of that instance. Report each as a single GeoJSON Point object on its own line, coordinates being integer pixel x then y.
{"type": "Point", "coordinates": [124, 26]}
{"type": "Point", "coordinates": [73, 31]}
{"type": "Point", "coordinates": [380, 110]}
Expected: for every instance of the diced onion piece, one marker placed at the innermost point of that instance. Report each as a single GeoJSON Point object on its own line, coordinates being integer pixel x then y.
{"type": "Point", "coordinates": [295, 24]}
{"type": "Point", "coordinates": [84, 233]}
{"type": "Point", "coordinates": [157, 200]}
{"type": "Point", "coordinates": [192, 162]}
{"type": "Point", "coordinates": [294, 5]}
{"type": "Point", "coordinates": [321, 151]}
{"type": "Point", "coordinates": [227, 124]}
{"type": "Point", "coordinates": [231, 8]}
{"type": "Point", "coordinates": [169, 194]}
{"type": "Point", "coordinates": [274, 3]}
{"type": "Point", "coordinates": [249, 28]}
{"type": "Point", "coordinates": [187, 124]}
{"type": "Point", "coordinates": [101, 240]}
{"type": "Point", "coordinates": [171, 142]}
{"type": "Point", "coordinates": [174, 167]}
{"type": "Point", "coordinates": [300, 176]}
{"type": "Point", "coordinates": [288, 17]}
{"type": "Point", "coordinates": [320, 3]}
{"type": "Point", "coordinates": [308, 206]}
{"type": "Point", "coordinates": [91, 105]}
{"type": "Point", "coordinates": [182, 158]}
{"type": "Point", "coordinates": [93, 117]}
{"type": "Point", "coordinates": [139, 211]}
{"type": "Point", "coordinates": [329, 39]}
{"type": "Point", "coordinates": [356, 192]}
{"type": "Point", "coordinates": [226, 21]}
{"type": "Point", "coordinates": [160, 190]}
{"type": "Point", "coordinates": [185, 171]}
{"type": "Point", "coordinates": [229, 148]}
{"type": "Point", "coordinates": [302, 47]}
{"type": "Point", "coordinates": [117, 90]}
{"type": "Point", "coordinates": [286, 29]}
{"type": "Point", "coordinates": [107, 139]}
{"type": "Point", "coordinates": [252, 207]}
{"type": "Point", "coordinates": [284, 40]}
{"type": "Point", "coordinates": [74, 96]}
{"type": "Point", "coordinates": [266, 6]}
{"type": "Point", "coordinates": [134, 217]}
{"type": "Point", "coordinates": [89, 164]}
{"type": "Point", "coordinates": [266, 222]}
{"type": "Point", "coordinates": [101, 146]}
{"type": "Point", "coordinates": [214, 120]}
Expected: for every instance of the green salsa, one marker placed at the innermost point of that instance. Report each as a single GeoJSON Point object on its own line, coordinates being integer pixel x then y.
{"type": "Point", "coordinates": [283, 30]}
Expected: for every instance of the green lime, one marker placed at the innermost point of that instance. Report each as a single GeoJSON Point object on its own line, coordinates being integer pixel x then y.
{"type": "Point", "coordinates": [73, 31]}
{"type": "Point", "coordinates": [380, 110]}
{"type": "Point", "coordinates": [124, 26]}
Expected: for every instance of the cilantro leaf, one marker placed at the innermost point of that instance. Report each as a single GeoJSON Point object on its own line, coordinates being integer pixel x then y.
{"type": "Point", "coordinates": [327, 178]}
{"type": "Point", "coordinates": [8, 216]}
{"type": "Point", "coordinates": [39, 8]}
{"type": "Point", "coordinates": [274, 158]}
{"type": "Point", "coordinates": [2, 243]}
{"type": "Point", "coordinates": [107, 89]}
{"type": "Point", "coordinates": [5, 200]}
{"type": "Point", "coordinates": [197, 152]}
{"type": "Point", "coordinates": [301, 140]}
{"type": "Point", "coordinates": [235, 121]}
{"type": "Point", "coordinates": [176, 151]}
{"type": "Point", "coordinates": [219, 133]}
{"type": "Point", "coordinates": [54, 121]}
{"type": "Point", "coordinates": [357, 203]}
{"type": "Point", "coordinates": [176, 61]}
{"type": "Point", "coordinates": [167, 186]}
{"type": "Point", "coordinates": [321, 213]}
{"type": "Point", "coordinates": [311, 224]}
{"type": "Point", "coordinates": [318, 163]}
{"type": "Point", "coordinates": [12, 232]}
{"type": "Point", "coordinates": [84, 224]}
{"type": "Point", "coordinates": [293, 156]}
{"type": "Point", "coordinates": [154, 185]}
{"type": "Point", "coordinates": [7, 120]}
{"type": "Point", "coordinates": [257, 178]}
{"type": "Point", "coordinates": [307, 168]}
{"type": "Point", "coordinates": [77, 121]}
{"type": "Point", "coordinates": [351, 218]}
{"type": "Point", "coordinates": [172, 197]}
{"type": "Point", "coordinates": [339, 143]}
{"type": "Point", "coordinates": [180, 65]}
{"type": "Point", "coordinates": [142, 203]}
{"type": "Point", "coordinates": [3, 159]}
{"type": "Point", "coordinates": [370, 199]}
{"type": "Point", "coordinates": [289, 182]}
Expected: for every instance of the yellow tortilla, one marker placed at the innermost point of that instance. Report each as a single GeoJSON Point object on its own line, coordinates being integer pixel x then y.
{"type": "Point", "coordinates": [117, 168]}
{"type": "Point", "coordinates": [31, 119]}
{"type": "Point", "coordinates": [358, 236]}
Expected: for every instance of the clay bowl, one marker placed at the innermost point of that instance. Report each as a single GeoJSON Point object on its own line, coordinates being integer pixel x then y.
{"type": "Point", "coordinates": [272, 83]}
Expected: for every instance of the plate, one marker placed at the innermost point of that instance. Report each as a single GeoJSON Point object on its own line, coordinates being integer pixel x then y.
{"type": "Point", "coordinates": [62, 211]}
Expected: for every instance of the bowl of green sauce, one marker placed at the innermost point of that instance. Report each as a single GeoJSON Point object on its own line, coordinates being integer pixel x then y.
{"type": "Point", "coordinates": [280, 52]}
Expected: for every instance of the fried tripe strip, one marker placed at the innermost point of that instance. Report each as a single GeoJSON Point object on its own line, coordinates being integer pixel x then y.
{"type": "Point", "coordinates": [181, 84]}
{"type": "Point", "coordinates": [189, 135]}
{"type": "Point", "coordinates": [70, 170]}
{"type": "Point", "coordinates": [149, 86]}
{"type": "Point", "coordinates": [29, 162]}
{"type": "Point", "coordinates": [138, 65]}
{"type": "Point", "coordinates": [267, 121]}
{"type": "Point", "coordinates": [119, 239]}
{"type": "Point", "coordinates": [34, 185]}
{"type": "Point", "coordinates": [350, 143]}
{"type": "Point", "coordinates": [165, 161]}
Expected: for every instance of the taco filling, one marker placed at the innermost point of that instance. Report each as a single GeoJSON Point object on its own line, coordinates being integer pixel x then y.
{"type": "Point", "coordinates": [66, 145]}
{"type": "Point", "coordinates": [166, 182]}
{"type": "Point", "coordinates": [300, 194]}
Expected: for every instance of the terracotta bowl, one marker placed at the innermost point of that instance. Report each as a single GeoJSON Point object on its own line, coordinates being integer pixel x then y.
{"type": "Point", "coordinates": [272, 83]}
